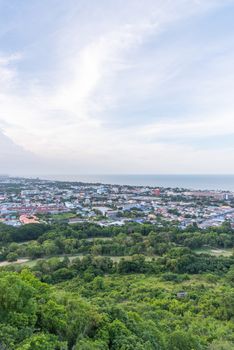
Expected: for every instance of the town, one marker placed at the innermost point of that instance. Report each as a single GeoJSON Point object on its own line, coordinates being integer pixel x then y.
{"type": "Point", "coordinates": [25, 200]}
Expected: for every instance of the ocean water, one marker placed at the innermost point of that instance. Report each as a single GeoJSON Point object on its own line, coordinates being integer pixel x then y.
{"type": "Point", "coordinates": [203, 182]}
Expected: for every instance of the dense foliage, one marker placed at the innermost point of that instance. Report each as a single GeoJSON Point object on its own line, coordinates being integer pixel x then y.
{"type": "Point", "coordinates": [37, 240]}
{"type": "Point", "coordinates": [135, 287]}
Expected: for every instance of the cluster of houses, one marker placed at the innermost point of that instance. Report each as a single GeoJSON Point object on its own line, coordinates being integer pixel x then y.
{"type": "Point", "coordinates": [24, 201]}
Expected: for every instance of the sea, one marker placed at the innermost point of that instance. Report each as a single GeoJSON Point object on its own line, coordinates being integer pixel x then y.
{"type": "Point", "coordinates": [196, 182]}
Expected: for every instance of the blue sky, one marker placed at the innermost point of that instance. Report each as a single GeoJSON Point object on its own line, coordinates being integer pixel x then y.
{"type": "Point", "coordinates": [117, 86]}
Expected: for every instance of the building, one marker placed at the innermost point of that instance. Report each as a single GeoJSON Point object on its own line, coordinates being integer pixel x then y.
{"type": "Point", "coordinates": [156, 192]}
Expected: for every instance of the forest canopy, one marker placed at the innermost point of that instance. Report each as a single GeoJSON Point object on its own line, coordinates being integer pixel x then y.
{"type": "Point", "coordinates": [131, 288]}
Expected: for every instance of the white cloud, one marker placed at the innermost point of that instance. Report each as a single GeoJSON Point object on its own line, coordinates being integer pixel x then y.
{"type": "Point", "coordinates": [63, 120]}
{"type": "Point", "coordinates": [7, 73]}
{"type": "Point", "coordinates": [199, 127]}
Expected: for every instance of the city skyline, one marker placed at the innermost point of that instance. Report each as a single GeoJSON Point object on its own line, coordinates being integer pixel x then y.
{"type": "Point", "coordinates": [116, 87]}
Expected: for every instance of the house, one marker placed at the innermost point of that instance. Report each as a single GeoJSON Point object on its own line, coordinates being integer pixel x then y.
{"type": "Point", "coordinates": [181, 294]}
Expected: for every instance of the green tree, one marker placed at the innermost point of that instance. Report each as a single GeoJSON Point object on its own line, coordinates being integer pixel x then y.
{"type": "Point", "coordinates": [221, 345]}
{"type": "Point", "coordinates": [42, 342]}
{"type": "Point", "coordinates": [180, 340]}
{"type": "Point", "coordinates": [12, 257]}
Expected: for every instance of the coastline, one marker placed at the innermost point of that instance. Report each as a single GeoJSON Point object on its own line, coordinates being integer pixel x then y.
{"type": "Point", "coordinates": [192, 182]}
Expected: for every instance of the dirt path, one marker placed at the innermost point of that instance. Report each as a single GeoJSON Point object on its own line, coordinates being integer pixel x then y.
{"type": "Point", "coordinates": [19, 261]}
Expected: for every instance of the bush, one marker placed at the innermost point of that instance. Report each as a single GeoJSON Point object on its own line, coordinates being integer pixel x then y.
{"type": "Point", "coordinates": [12, 257]}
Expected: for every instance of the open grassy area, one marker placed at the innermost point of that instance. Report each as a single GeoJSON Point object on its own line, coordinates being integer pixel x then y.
{"type": "Point", "coordinates": [91, 239]}
{"type": "Point", "coordinates": [63, 216]}
{"type": "Point", "coordinates": [32, 262]}
{"type": "Point", "coordinates": [215, 251]}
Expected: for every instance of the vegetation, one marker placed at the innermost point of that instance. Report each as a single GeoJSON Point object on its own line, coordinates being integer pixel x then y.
{"type": "Point", "coordinates": [160, 295]}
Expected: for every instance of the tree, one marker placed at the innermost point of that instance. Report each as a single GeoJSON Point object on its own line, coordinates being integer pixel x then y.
{"type": "Point", "coordinates": [12, 257]}
{"type": "Point", "coordinates": [8, 335]}
{"type": "Point", "coordinates": [17, 303]}
{"type": "Point", "coordinates": [180, 340]}
{"type": "Point", "coordinates": [88, 344]}
{"type": "Point", "coordinates": [53, 317]}
{"type": "Point", "coordinates": [221, 345]}
{"type": "Point", "coordinates": [42, 342]}
{"type": "Point", "coordinates": [230, 275]}
{"type": "Point", "coordinates": [49, 247]}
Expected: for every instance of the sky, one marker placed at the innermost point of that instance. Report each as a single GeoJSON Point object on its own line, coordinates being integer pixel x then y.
{"type": "Point", "coordinates": [116, 87]}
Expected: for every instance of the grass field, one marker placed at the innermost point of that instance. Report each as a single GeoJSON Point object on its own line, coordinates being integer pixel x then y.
{"type": "Point", "coordinates": [63, 216]}
{"type": "Point", "coordinates": [32, 262]}
{"type": "Point", "coordinates": [91, 239]}
{"type": "Point", "coordinates": [215, 251]}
